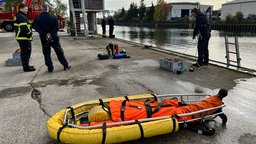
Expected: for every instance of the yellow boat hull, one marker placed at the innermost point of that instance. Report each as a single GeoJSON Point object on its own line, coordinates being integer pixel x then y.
{"type": "Point", "coordinates": [116, 134]}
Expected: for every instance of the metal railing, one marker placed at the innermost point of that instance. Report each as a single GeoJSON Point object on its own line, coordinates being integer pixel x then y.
{"type": "Point", "coordinates": [70, 120]}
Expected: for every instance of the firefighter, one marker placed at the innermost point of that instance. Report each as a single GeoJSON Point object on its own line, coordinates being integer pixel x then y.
{"type": "Point", "coordinates": [103, 25]}
{"type": "Point", "coordinates": [23, 34]}
{"type": "Point", "coordinates": [47, 26]}
{"type": "Point", "coordinates": [111, 24]}
{"type": "Point", "coordinates": [202, 28]}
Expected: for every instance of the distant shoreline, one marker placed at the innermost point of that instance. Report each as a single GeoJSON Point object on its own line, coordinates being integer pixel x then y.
{"type": "Point", "coordinates": [236, 28]}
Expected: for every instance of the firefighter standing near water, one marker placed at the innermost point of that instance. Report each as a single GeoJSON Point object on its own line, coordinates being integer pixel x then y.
{"type": "Point", "coordinates": [202, 29]}
{"type": "Point", "coordinates": [111, 24]}
{"type": "Point", "coordinates": [23, 34]}
{"type": "Point", "coordinates": [103, 25]}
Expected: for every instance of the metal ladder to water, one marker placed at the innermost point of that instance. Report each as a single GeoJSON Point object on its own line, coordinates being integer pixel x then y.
{"type": "Point", "coordinates": [236, 52]}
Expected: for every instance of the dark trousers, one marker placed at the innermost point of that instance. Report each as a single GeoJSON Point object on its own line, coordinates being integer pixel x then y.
{"type": "Point", "coordinates": [103, 30]}
{"type": "Point", "coordinates": [111, 29]}
{"type": "Point", "coordinates": [58, 50]}
{"type": "Point", "coordinates": [203, 52]}
{"type": "Point", "coordinates": [25, 53]}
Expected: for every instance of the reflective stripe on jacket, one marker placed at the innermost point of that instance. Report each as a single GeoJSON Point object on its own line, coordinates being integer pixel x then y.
{"type": "Point", "coordinates": [22, 27]}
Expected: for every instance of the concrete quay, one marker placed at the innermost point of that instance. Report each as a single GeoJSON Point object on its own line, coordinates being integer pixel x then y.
{"type": "Point", "coordinates": [23, 117]}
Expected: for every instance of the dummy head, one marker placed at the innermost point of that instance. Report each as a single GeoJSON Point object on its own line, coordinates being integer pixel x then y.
{"type": "Point", "coordinates": [222, 93]}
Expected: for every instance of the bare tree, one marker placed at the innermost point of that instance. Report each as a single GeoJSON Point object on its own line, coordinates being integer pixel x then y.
{"type": "Point", "coordinates": [60, 9]}
{"type": "Point", "coordinates": [162, 10]}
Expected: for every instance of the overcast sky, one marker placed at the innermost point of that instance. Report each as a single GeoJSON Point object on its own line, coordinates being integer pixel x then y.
{"type": "Point", "coordinates": [119, 4]}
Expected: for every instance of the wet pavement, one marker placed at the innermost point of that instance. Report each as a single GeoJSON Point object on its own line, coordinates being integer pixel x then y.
{"type": "Point", "coordinates": [24, 114]}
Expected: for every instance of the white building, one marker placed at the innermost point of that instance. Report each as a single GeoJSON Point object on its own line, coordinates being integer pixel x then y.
{"type": "Point", "coordinates": [181, 9]}
{"type": "Point", "coordinates": [247, 7]}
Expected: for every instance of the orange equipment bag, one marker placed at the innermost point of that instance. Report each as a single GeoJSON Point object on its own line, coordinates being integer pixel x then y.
{"type": "Point", "coordinates": [123, 110]}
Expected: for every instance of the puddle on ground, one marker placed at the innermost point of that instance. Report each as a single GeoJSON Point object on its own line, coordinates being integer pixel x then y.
{"type": "Point", "coordinates": [247, 138]}
{"type": "Point", "coordinates": [50, 82]}
{"type": "Point", "coordinates": [115, 67]}
{"type": "Point", "coordinates": [14, 92]}
{"type": "Point", "coordinates": [19, 91]}
{"type": "Point", "coordinates": [147, 62]}
{"type": "Point", "coordinates": [71, 81]}
{"type": "Point", "coordinates": [136, 64]}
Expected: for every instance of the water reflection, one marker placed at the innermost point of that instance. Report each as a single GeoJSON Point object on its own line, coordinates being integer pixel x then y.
{"type": "Point", "coordinates": [161, 36]}
{"type": "Point", "coordinates": [180, 40]}
{"type": "Point", "coordinates": [142, 34]}
{"type": "Point", "coordinates": [139, 33]}
{"type": "Point", "coordinates": [184, 33]}
{"type": "Point", "coordinates": [123, 33]}
{"type": "Point", "coordinates": [133, 35]}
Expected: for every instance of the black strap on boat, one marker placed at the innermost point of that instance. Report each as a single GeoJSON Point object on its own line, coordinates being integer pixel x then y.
{"type": "Point", "coordinates": [101, 102]}
{"type": "Point", "coordinates": [105, 109]}
{"type": "Point", "coordinates": [174, 124]}
{"type": "Point", "coordinates": [104, 132]}
{"type": "Point", "coordinates": [148, 109]}
{"type": "Point", "coordinates": [141, 129]}
{"type": "Point", "coordinates": [158, 106]}
{"type": "Point", "coordinates": [154, 95]}
{"type": "Point", "coordinates": [59, 131]}
{"type": "Point", "coordinates": [72, 112]}
{"type": "Point", "coordinates": [122, 110]}
{"type": "Point", "coordinates": [176, 116]}
{"type": "Point", "coordinates": [126, 98]}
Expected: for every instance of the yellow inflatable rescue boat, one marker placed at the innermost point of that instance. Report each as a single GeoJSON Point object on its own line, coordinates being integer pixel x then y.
{"type": "Point", "coordinates": [139, 116]}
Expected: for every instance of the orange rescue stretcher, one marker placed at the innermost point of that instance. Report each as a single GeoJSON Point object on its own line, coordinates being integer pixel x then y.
{"type": "Point", "coordinates": [71, 125]}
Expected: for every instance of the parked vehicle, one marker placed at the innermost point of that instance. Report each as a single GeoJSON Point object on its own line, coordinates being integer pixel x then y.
{"type": "Point", "coordinates": [6, 18]}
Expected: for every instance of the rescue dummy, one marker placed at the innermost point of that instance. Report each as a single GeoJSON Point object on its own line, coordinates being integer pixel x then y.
{"type": "Point", "coordinates": [123, 110]}
{"type": "Point", "coordinates": [210, 102]}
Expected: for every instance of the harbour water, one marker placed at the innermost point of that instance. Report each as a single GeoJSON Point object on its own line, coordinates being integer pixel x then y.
{"type": "Point", "coordinates": [180, 40]}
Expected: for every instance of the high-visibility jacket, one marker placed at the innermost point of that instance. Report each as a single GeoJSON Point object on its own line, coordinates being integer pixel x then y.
{"type": "Point", "coordinates": [210, 102]}
{"type": "Point", "coordinates": [123, 110]}
{"type": "Point", "coordinates": [23, 29]}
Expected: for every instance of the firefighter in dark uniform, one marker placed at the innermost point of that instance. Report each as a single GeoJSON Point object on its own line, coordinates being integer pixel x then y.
{"type": "Point", "coordinates": [202, 28]}
{"type": "Point", "coordinates": [47, 26]}
{"type": "Point", "coordinates": [103, 25]}
{"type": "Point", "coordinates": [23, 34]}
{"type": "Point", "coordinates": [111, 24]}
